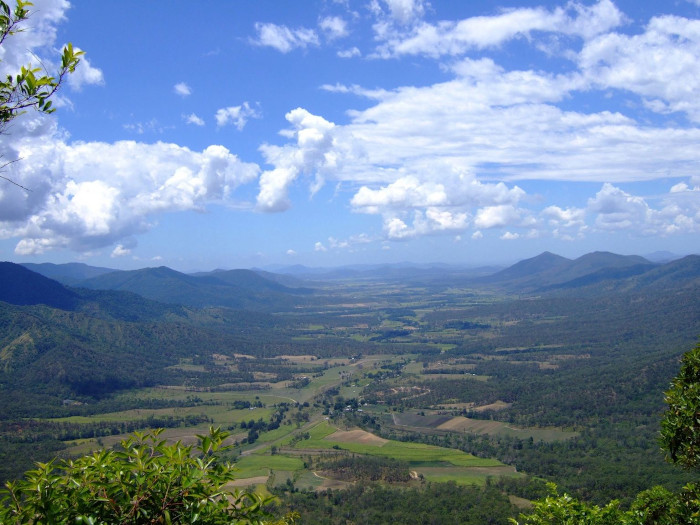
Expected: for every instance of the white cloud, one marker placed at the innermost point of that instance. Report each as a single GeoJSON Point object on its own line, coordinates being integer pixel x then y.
{"type": "Point", "coordinates": [182, 89]}
{"type": "Point", "coordinates": [142, 128]}
{"type": "Point", "coordinates": [618, 210]}
{"type": "Point", "coordinates": [120, 251]}
{"type": "Point", "coordinates": [313, 153]}
{"type": "Point", "coordinates": [401, 11]}
{"type": "Point", "coordinates": [291, 253]}
{"type": "Point", "coordinates": [193, 119]}
{"type": "Point", "coordinates": [452, 190]}
{"type": "Point", "coordinates": [334, 27]}
{"type": "Point", "coordinates": [284, 39]}
{"type": "Point", "coordinates": [236, 115]}
{"type": "Point", "coordinates": [510, 236]}
{"type": "Point", "coordinates": [319, 247]}
{"type": "Point", "coordinates": [497, 216]}
{"type": "Point", "coordinates": [349, 53]}
{"type": "Point", "coordinates": [456, 38]}
{"type": "Point", "coordinates": [660, 64]}
{"type": "Point", "coordinates": [566, 224]}
{"type": "Point", "coordinates": [85, 75]}
{"type": "Point", "coordinates": [35, 45]}
{"type": "Point", "coordinates": [89, 195]}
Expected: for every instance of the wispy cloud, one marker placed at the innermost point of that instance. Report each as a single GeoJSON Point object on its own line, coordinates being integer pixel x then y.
{"type": "Point", "coordinates": [283, 38]}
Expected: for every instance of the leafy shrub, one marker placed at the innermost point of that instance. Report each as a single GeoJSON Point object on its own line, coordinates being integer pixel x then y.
{"type": "Point", "coordinates": [147, 481]}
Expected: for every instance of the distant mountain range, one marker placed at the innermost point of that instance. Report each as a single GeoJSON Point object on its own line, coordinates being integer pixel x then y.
{"type": "Point", "coordinates": [241, 289]}
{"type": "Point", "coordinates": [595, 272]}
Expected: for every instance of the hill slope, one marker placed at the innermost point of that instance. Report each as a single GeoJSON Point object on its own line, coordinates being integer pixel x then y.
{"type": "Point", "coordinates": [242, 289]}
{"type": "Point", "coordinates": [21, 286]}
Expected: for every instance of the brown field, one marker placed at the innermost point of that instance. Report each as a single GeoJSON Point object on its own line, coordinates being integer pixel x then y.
{"type": "Point", "coordinates": [460, 423]}
{"type": "Point", "coordinates": [478, 426]}
{"type": "Point", "coordinates": [247, 482]}
{"type": "Point", "coordinates": [356, 436]}
{"type": "Point", "coordinates": [498, 405]}
{"type": "Point", "coordinates": [298, 358]}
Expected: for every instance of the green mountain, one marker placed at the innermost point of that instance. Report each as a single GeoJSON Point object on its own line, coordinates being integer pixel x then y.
{"type": "Point", "coordinates": [57, 342]}
{"type": "Point", "coordinates": [549, 271]}
{"type": "Point", "coordinates": [528, 269]}
{"type": "Point", "coordinates": [70, 274]}
{"type": "Point", "coordinates": [243, 289]}
{"type": "Point", "coordinates": [21, 286]}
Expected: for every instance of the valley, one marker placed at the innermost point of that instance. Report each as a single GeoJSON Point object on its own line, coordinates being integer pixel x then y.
{"type": "Point", "coordinates": [550, 370]}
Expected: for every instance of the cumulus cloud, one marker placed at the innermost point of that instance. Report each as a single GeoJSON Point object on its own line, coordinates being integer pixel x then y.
{"type": "Point", "coordinates": [618, 210]}
{"type": "Point", "coordinates": [660, 64]}
{"type": "Point", "coordinates": [182, 89]}
{"type": "Point", "coordinates": [334, 27]}
{"type": "Point", "coordinates": [312, 153]}
{"type": "Point", "coordinates": [497, 216]}
{"type": "Point", "coordinates": [85, 74]}
{"type": "Point", "coordinates": [236, 115]}
{"type": "Point", "coordinates": [120, 251]}
{"type": "Point", "coordinates": [565, 223]}
{"type": "Point", "coordinates": [283, 38]}
{"type": "Point", "coordinates": [89, 195]}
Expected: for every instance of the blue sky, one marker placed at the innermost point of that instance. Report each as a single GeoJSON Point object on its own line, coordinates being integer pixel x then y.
{"type": "Point", "coordinates": [214, 134]}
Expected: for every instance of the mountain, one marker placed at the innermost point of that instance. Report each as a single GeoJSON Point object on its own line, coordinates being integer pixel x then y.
{"type": "Point", "coordinates": [71, 273]}
{"type": "Point", "coordinates": [259, 280]}
{"type": "Point", "coordinates": [58, 343]}
{"type": "Point", "coordinates": [243, 289]}
{"type": "Point", "coordinates": [21, 286]}
{"type": "Point", "coordinates": [529, 268]}
{"type": "Point", "coordinates": [679, 273]}
{"type": "Point", "coordinates": [548, 271]}
{"type": "Point", "coordinates": [644, 276]}
{"type": "Point", "coordinates": [595, 262]}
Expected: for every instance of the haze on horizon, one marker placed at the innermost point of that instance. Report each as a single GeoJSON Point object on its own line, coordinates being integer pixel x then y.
{"type": "Point", "coordinates": [357, 132]}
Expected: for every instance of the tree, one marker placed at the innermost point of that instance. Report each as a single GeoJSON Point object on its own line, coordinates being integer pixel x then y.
{"type": "Point", "coordinates": [680, 426]}
{"type": "Point", "coordinates": [148, 481]}
{"type": "Point", "coordinates": [32, 87]}
{"type": "Point", "coordinates": [680, 438]}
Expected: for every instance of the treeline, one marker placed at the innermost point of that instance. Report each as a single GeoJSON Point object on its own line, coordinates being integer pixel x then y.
{"type": "Point", "coordinates": [24, 442]}
{"type": "Point", "coordinates": [364, 468]}
{"type": "Point", "coordinates": [443, 503]}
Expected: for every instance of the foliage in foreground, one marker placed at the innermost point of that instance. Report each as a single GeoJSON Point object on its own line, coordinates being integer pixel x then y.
{"type": "Point", "coordinates": [680, 437]}
{"type": "Point", "coordinates": [31, 87]}
{"type": "Point", "coordinates": [148, 481]}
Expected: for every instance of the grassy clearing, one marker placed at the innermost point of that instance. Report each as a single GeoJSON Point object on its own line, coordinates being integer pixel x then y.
{"type": "Point", "coordinates": [254, 465]}
{"type": "Point", "coordinates": [470, 476]}
{"type": "Point", "coordinates": [478, 426]}
{"type": "Point", "coordinates": [322, 437]}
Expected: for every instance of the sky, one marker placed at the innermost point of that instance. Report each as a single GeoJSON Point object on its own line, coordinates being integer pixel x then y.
{"type": "Point", "coordinates": [217, 134]}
